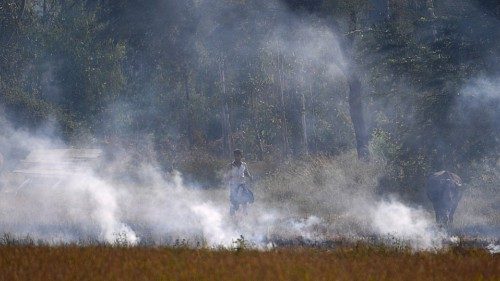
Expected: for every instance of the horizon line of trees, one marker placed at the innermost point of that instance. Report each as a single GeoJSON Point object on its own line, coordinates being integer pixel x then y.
{"type": "Point", "coordinates": [287, 79]}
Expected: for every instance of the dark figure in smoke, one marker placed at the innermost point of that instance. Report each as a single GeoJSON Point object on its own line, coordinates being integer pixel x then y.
{"type": "Point", "coordinates": [444, 191]}
{"type": "Point", "coordinates": [239, 194]}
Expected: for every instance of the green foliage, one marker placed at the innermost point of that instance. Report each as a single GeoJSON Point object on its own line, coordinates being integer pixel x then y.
{"type": "Point", "coordinates": [240, 244]}
{"type": "Point", "coordinates": [160, 73]}
{"type": "Point", "coordinates": [418, 66]}
{"type": "Point", "coordinates": [58, 66]}
{"type": "Point", "coordinates": [383, 146]}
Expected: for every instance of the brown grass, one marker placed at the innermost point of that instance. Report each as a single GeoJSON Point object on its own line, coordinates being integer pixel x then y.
{"type": "Point", "coordinates": [137, 263]}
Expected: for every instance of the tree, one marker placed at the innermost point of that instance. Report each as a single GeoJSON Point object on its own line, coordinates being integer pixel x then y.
{"type": "Point", "coordinates": [351, 10]}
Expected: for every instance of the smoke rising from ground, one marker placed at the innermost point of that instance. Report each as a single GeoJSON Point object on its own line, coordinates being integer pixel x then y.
{"type": "Point", "coordinates": [334, 199]}
{"type": "Point", "coordinates": [106, 204]}
{"type": "Point", "coordinates": [393, 218]}
{"type": "Point", "coordinates": [87, 203]}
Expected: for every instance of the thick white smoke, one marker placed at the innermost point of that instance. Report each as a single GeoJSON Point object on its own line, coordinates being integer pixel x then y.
{"type": "Point", "coordinates": [393, 219]}
{"type": "Point", "coordinates": [90, 205]}
{"type": "Point", "coordinates": [58, 200]}
{"type": "Point", "coordinates": [99, 203]}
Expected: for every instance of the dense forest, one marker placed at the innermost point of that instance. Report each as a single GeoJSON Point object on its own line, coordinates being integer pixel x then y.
{"type": "Point", "coordinates": [416, 83]}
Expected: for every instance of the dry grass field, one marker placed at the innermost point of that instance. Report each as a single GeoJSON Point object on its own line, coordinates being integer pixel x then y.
{"type": "Point", "coordinates": [149, 263]}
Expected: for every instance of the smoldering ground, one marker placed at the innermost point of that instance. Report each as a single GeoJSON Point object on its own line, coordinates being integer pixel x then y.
{"type": "Point", "coordinates": [89, 205]}
{"type": "Point", "coordinates": [315, 202]}
{"type": "Point", "coordinates": [92, 203]}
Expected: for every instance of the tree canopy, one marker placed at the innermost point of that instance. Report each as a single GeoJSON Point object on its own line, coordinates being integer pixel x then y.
{"type": "Point", "coordinates": [416, 82]}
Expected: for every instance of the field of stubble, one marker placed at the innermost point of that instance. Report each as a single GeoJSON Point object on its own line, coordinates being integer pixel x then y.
{"type": "Point", "coordinates": [149, 263]}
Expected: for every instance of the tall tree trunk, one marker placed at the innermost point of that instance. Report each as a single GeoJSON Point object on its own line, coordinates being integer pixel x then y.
{"type": "Point", "coordinates": [432, 15]}
{"type": "Point", "coordinates": [355, 101]}
{"type": "Point", "coordinates": [258, 137]}
{"type": "Point", "coordinates": [357, 118]}
{"type": "Point", "coordinates": [305, 141]}
{"type": "Point", "coordinates": [314, 125]}
{"type": "Point", "coordinates": [430, 9]}
{"type": "Point", "coordinates": [284, 127]}
{"type": "Point", "coordinates": [188, 119]}
{"type": "Point", "coordinates": [44, 9]}
{"type": "Point", "coordinates": [226, 125]}
{"type": "Point", "coordinates": [226, 130]}
{"type": "Point", "coordinates": [388, 10]}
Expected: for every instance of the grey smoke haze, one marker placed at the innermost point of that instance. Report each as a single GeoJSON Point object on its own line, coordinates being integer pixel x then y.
{"type": "Point", "coordinates": [103, 204]}
{"type": "Point", "coordinates": [89, 205]}
{"type": "Point", "coordinates": [478, 109]}
{"type": "Point", "coordinates": [479, 100]}
{"type": "Point", "coordinates": [303, 50]}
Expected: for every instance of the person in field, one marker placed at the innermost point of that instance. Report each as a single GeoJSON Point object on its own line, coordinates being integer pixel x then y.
{"type": "Point", "coordinates": [237, 175]}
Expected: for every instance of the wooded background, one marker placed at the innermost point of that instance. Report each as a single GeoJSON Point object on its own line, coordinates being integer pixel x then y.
{"type": "Point", "coordinates": [413, 82]}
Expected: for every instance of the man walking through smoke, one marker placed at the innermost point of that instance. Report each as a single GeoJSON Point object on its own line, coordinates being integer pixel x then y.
{"type": "Point", "coordinates": [239, 193]}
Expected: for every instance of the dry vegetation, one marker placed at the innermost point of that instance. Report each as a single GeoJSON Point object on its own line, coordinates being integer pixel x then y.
{"type": "Point", "coordinates": [333, 188]}
{"type": "Point", "coordinates": [321, 185]}
{"type": "Point", "coordinates": [142, 263]}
